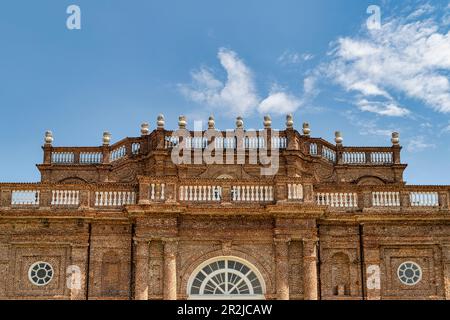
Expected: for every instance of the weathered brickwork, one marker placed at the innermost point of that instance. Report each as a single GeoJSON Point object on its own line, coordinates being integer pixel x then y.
{"type": "Point", "coordinates": [124, 221]}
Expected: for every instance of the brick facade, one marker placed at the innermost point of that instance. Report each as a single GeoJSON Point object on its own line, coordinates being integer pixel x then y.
{"type": "Point", "coordinates": [123, 221]}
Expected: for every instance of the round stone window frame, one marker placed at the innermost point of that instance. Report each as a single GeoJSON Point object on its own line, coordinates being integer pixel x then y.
{"type": "Point", "coordinates": [418, 268]}
{"type": "Point", "coordinates": [31, 269]}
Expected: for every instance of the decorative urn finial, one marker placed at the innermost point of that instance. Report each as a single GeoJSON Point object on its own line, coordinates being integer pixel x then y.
{"type": "Point", "coordinates": [106, 138]}
{"type": "Point", "coordinates": [239, 123]}
{"type": "Point", "coordinates": [289, 121]}
{"type": "Point", "coordinates": [160, 121]}
{"type": "Point", "coordinates": [306, 129]}
{"type": "Point", "coordinates": [267, 122]}
{"type": "Point", "coordinates": [395, 138]}
{"type": "Point", "coordinates": [48, 138]}
{"type": "Point", "coordinates": [145, 129]}
{"type": "Point", "coordinates": [338, 138]}
{"type": "Point", "coordinates": [211, 122]}
{"type": "Point", "coordinates": [182, 122]}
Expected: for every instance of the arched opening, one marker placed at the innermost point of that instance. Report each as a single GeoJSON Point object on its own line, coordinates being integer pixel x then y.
{"type": "Point", "coordinates": [226, 278]}
{"type": "Point", "coordinates": [340, 274]}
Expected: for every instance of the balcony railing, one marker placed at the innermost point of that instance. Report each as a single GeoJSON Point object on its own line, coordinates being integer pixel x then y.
{"type": "Point", "coordinates": [233, 192]}
{"type": "Point", "coordinates": [374, 156]}
{"type": "Point", "coordinates": [124, 149]}
{"type": "Point", "coordinates": [252, 142]}
{"type": "Point", "coordinates": [66, 196]}
{"type": "Point", "coordinates": [385, 197]}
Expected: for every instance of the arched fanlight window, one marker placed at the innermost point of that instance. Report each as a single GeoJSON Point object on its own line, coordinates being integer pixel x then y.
{"type": "Point", "coordinates": [226, 278]}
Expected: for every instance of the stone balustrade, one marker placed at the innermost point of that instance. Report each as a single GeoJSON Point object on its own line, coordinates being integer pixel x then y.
{"type": "Point", "coordinates": [157, 191]}
{"type": "Point", "coordinates": [135, 148]}
{"type": "Point", "coordinates": [114, 198]}
{"type": "Point", "coordinates": [381, 158]}
{"type": "Point", "coordinates": [25, 197]}
{"type": "Point", "coordinates": [192, 191]}
{"type": "Point", "coordinates": [162, 139]}
{"type": "Point", "coordinates": [424, 199]}
{"type": "Point", "coordinates": [254, 141]}
{"type": "Point", "coordinates": [91, 157]}
{"type": "Point", "coordinates": [65, 198]}
{"type": "Point", "coordinates": [354, 157]}
{"type": "Point", "coordinates": [63, 157]}
{"type": "Point", "coordinates": [200, 193]}
{"type": "Point", "coordinates": [329, 154]}
{"type": "Point", "coordinates": [313, 149]}
{"type": "Point", "coordinates": [118, 153]}
{"type": "Point", "coordinates": [338, 199]}
{"type": "Point", "coordinates": [295, 191]}
{"type": "Point", "coordinates": [126, 148]}
{"type": "Point", "coordinates": [374, 156]}
{"type": "Point", "coordinates": [385, 199]}
{"type": "Point", "coordinates": [253, 193]}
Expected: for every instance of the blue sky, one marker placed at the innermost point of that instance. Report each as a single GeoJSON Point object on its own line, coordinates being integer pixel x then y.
{"type": "Point", "coordinates": [132, 60]}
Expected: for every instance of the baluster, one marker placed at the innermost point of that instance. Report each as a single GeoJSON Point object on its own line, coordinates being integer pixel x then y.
{"type": "Point", "coordinates": [195, 193]}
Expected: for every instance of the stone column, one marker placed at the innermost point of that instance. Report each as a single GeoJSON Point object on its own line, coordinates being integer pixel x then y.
{"type": "Point", "coordinates": [141, 269]}
{"type": "Point", "coordinates": [282, 268]}
{"type": "Point", "coordinates": [170, 270]}
{"type": "Point", "coordinates": [310, 278]}
{"type": "Point", "coordinates": [76, 273]}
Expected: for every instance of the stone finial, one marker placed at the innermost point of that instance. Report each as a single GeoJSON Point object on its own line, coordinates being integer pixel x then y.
{"type": "Point", "coordinates": [306, 129]}
{"type": "Point", "coordinates": [48, 137]}
{"type": "Point", "coordinates": [239, 123]}
{"type": "Point", "coordinates": [267, 122]}
{"type": "Point", "coordinates": [182, 122]}
{"type": "Point", "coordinates": [395, 138]}
{"type": "Point", "coordinates": [106, 138]}
{"type": "Point", "coordinates": [338, 138]}
{"type": "Point", "coordinates": [145, 129]}
{"type": "Point", "coordinates": [160, 121]}
{"type": "Point", "coordinates": [289, 121]}
{"type": "Point", "coordinates": [211, 122]}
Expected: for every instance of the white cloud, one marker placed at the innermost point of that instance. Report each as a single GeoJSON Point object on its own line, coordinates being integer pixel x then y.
{"type": "Point", "coordinates": [382, 108]}
{"type": "Point", "coordinates": [421, 10]}
{"type": "Point", "coordinates": [418, 144]}
{"type": "Point", "coordinates": [410, 58]}
{"type": "Point", "coordinates": [309, 86]}
{"type": "Point", "coordinates": [289, 57]}
{"type": "Point", "coordinates": [237, 94]}
{"type": "Point", "coordinates": [446, 129]}
{"type": "Point", "coordinates": [279, 102]}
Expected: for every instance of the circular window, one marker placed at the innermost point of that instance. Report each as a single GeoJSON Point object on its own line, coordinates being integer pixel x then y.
{"type": "Point", "coordinates": [40, 273]}
{"type": "Point", "coordinates": [409, 273]}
